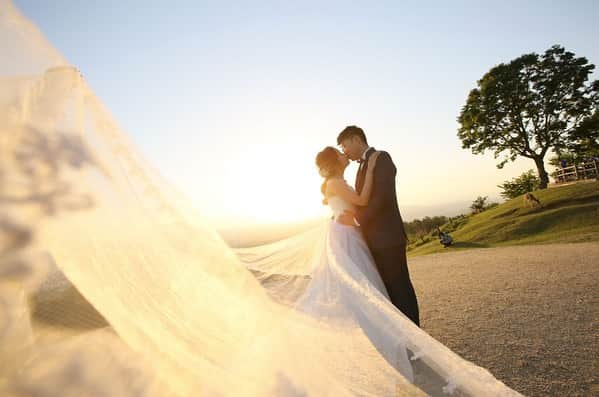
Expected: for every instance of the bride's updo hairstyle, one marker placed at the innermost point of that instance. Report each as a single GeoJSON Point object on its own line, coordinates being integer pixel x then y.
{"type": "Point", "coordinates": [327, 161]}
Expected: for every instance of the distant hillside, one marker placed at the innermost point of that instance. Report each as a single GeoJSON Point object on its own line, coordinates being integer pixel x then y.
{"type": "Point", "coordinates": [411, 212]}
{"type": "Point", "coordinates": [568, 214]}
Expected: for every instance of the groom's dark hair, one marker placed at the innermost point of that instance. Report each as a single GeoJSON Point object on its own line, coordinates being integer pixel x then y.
{"type": "Point", "coordinates": [351, 131]}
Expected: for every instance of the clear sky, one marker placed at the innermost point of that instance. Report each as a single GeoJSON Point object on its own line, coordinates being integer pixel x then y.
{"type": "Point", "coordinates": [232, 100]}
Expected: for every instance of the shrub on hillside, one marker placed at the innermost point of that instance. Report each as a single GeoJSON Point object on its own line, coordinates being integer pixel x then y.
{"type": "Point", "coordinates": [527, 182]}
{"type": "Point", "coordinates": [481, 204]}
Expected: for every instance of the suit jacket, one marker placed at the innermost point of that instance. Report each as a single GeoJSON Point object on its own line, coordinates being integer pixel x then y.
{"type": "Point", "coordinates": [381, 220]}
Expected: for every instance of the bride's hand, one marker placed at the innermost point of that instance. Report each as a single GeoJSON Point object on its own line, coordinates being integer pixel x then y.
{"type": "Point", "coordinates": [347, 218]}
{"type": "Point", "coordinates": [372, 161]}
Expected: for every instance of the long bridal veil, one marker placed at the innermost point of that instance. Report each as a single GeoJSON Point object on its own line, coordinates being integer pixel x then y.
{"type": "Point", "coordinates": [112, 285]}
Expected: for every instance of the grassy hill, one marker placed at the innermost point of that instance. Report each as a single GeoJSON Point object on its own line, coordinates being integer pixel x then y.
{"type": "Point", "coordinates": [568, 214]}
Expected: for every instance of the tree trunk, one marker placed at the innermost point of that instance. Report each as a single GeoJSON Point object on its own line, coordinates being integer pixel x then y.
{"type": "Point", "coordinates": [543, 176]}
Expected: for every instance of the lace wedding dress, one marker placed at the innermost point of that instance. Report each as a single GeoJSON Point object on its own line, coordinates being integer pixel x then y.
{"type": "Point", "coordinates": [111, 284]}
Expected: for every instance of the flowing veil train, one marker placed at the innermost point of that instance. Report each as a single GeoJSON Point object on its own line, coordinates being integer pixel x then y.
{"type": "Point", "coordinates": [112, 285]}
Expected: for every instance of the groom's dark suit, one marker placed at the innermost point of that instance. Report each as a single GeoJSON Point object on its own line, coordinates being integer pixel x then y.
{"type": "Point", "coordinates": [384, 232]}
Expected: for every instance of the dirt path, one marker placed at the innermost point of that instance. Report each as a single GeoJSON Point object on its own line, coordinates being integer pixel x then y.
{"type": "Point", "coordinates": [529, 314]}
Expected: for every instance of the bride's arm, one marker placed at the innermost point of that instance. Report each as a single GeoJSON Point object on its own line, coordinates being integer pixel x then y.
{"type": "Point", "coordinates": [368, 180]}
{"type": "Point", "coordinates": [337, 187]}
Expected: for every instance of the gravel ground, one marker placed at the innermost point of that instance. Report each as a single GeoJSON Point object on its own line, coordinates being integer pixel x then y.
{"type": "Point", "coordinates": [529, 314]}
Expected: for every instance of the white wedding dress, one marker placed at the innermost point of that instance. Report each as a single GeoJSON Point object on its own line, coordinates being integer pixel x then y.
{"type": "Point", "coordinates": [344, 274]}
{"type": "Point", "coordinates": [348, 245]}
{"type": "Point", "coordinates": [111, 284]}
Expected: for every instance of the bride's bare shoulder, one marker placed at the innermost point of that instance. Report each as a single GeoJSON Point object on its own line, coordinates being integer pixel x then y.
{"type": "Point", "coordinates": [334, 184]}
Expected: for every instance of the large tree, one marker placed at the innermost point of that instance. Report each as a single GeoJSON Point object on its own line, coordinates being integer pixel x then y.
{"type": "Point", "coordinates": [529, 106]}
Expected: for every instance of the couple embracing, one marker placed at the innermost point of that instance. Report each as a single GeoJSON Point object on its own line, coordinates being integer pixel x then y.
{"type": "Point", "coordinates": [367, 222]}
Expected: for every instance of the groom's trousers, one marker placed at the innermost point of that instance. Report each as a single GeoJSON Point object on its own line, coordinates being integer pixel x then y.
{"type": "Point", "coordinates": [393, 267]}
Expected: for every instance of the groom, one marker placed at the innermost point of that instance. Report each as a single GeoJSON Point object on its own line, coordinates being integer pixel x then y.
{"type": "Point", "coordinates": [381, 221]}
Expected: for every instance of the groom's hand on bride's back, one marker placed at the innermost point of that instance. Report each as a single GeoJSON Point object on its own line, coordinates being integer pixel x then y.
{"type": "Point", "coordinates": [347, 218]}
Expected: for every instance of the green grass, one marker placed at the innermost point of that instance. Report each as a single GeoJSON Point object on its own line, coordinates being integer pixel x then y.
{"type": "Point", "coordinates": [568, 214]}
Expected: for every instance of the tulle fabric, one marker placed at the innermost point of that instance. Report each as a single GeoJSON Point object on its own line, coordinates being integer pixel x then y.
{"type": "Point", "coordinates": [112, 284]}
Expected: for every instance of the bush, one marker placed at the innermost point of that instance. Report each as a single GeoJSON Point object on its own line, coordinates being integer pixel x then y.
{"type": "Point", "coordinates": [527, 182]}
{"type": "Point", "coordinates": [480, 204]}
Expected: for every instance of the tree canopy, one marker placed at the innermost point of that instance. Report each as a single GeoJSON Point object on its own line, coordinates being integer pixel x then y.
{"type": "Point", "coordinates": [531, 105]}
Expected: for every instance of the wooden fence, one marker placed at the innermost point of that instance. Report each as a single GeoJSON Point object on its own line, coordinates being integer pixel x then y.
{"type": "Point", "coordinates": [587, 170]}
